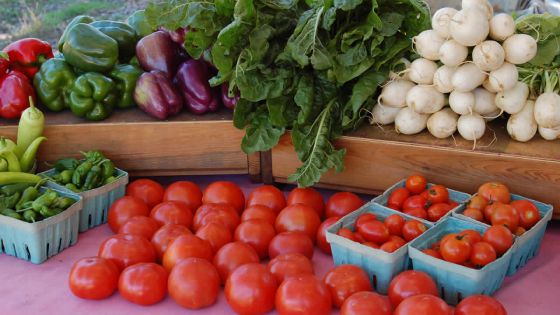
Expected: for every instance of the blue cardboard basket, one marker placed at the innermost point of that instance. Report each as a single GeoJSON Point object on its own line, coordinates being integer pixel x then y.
{"type": "Point", "coordinates": [456, 282]}
{"type": "Point", "coordinates": [36, 242]}
{"type": "Point", "coordinates": [527, 245]}
{"type": "Point", "coordinates": [380, 265]}
{"type": "Point", "coordinates": [457, 196]}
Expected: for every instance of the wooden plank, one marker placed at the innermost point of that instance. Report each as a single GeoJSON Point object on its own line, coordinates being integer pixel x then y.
{"type": "Point", "coordinates": [254, 167]}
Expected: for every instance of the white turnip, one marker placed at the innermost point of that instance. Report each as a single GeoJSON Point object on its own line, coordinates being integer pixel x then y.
{"type": "Point", "coordinates": [522, 126]}
{"type": "Point", "coordinates": [422, 71]}
{"type": "Point", "coordinates": [504, 78]}
{"type": "Point", "coordinates": [467, 77]}
{"type": "Point", "coordinates": [482, 5]}
{"type": "Point", "coordinates": [469, 27]}
{"type": "Point", "coordinates": [428, 44]}
{"type": "Point", "coordinates": [425, 99]}
{"type": "Point", "coordinates": [394, 93]}
{"type": "Point", "coordinates": [549, 134]}
{"type": "Point", "coordinates": [461, 103]}
{"type": "Point", "coordinates": [453, 54]}
{"type": "Point", "coordinates": [409, 122]}
{"type": "Point", "coordinates": [547, 110]}
{"type": "Point", "coordinates": [502, 26]}
{"type": "Point", "coordinates": [403, 65]}
{"type": "Point", "coordinates": [443, 123]}
{"type": "Point", "coordinates": [513, 100]}
{"type": "Point", "coordinates": [520, 48]}
{"type": "Point", "coordinates": [484, 102]}
{"type": "Point", "coordinates": [493, 115]}
{"type": "Point", "coordinates": [383, 115]}
{"type": "Point", "coordinates": [486, 84]}
{"type": "Point", "coordinates": [471, 127]}
{"type": "Point", "coordinates": [440, 21]}
{"type": "Point", "coordinates": [488, 55]}
{"type": "Point", "coordinates": [442, 79]}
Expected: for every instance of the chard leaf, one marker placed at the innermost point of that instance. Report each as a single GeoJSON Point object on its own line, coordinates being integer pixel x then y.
{"type": "Point", "coordinates": [353, 56]}
{"type": "Point", "coordinates": [225, 7]}
{"type": "Point", "coordinates": [261, 135]}
{"type": "Point", "coordinates": [328, 19]}
{"type": "Point", "coordinates": [392, 22]}
{"type": "Point", "coordinates": [304, 98]}
{"type": "Point", "coordinates": [347, 5]}
{"type": "Point", "coordinates": [280, 4]}
{"type": "Point", "coordinates": [364, 89]}
{"type": "Point", "coordinates": [281, 111]}
{"type": "Point", "coordinates": [242, 113]}
{"type": "Point", "coordinates": [342, 74]}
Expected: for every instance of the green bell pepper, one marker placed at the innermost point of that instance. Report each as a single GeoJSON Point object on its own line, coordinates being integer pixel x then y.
{"type": "Point", "coordinates": [53, 82]}
{"type": "Point", "coordinates": [125, 77]}
{"type": "Point", "coordinates": [123, 34]}
{"type": "Point", "coordinates": [93, 96]}
{"type": "Point", "coordinates": [139, 23]}
{"type": "Point", "coordinates": [78, 19]}
{"type": "Point", "coordinates": [89, 49]}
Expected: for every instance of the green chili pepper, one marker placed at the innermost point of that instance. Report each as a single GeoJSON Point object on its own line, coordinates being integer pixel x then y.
{"type": "Point", "coordinates": [66, 164]}
{"type": "Point", "coordinates": [30, 216]}
{"type": "Point", "coordinates": [72, 187]}
{"type": "Point", "coordinates": [11, 213]}
{"type": "Point", "coordinates": [62, 203]}
{"type": "Point", "coordinates": [44, 201]}
{"type": "Point", "coordinates": [92, 178]}
{"type": "Point", "coordinates": [81, 172]}
{"type": "Point", "coordinates": [28, 157]}
{"type": "Point", "coordinates": [30, 194]}
{"type": "Point", "coordinates": [7, 178]}
{"type": "Point", "coordinates": [12, 159]}
{"type": "Point", "coordinates": [94, 156]}
{"type": "Point", "coordinates": [66, 176]}
{"type": "Point", "coordinates": [109, 180]}
{"type": "Point", "coordinates": [108, 169]}
{"type": "Point", "coordinates": [13, 200]}
{"type": "Point", "coordinates": [14, 188]}
{"type": "Point", "coordinates": [46, 212]}
{"type": "Point", "coordinates": [3, 165]}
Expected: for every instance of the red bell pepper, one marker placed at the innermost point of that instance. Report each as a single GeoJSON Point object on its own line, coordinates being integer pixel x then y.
{"type": "Point", "coordinates": [4, 63]}
{"type": "Point", "coordinates": [27, 55]}
{"type": "Point", "coordinates": [15, 90]}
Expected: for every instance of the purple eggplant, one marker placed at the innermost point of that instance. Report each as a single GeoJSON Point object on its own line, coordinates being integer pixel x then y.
{"type": "Point", "coordinates": [158, 52]}
{"type": "Point", "coordinates": [192, 80]}
{"type": "Point", "coordinates": [156, 95]}
{"type": "Point", "coordinates": [178, 35]}
{"type": "Point", "coordinates": [229, 102]}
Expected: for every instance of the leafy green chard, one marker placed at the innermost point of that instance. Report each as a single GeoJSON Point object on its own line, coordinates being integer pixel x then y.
{"type": "Point", "coordinates": [313, 67]}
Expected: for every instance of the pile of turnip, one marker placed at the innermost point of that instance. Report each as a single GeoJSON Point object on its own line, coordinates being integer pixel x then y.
{"type": "Point", "coordinates": [466, 76]}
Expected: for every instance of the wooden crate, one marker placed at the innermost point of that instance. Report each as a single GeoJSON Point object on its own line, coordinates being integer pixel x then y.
{"type": "Point", "coordinates": [377, 158]}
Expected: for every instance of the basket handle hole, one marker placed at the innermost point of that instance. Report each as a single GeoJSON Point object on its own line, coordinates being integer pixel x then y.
{"type": "Point", "coordinates": [443, 292]}
{"type": "Point", "coordinates": [374, 281]}
{"type": "Point", "coordinates": [89, 220]}
{"type": "Point", "coordinates": [15, 250]}
{"type": "Point", "coordinates": [59, 245]}
{"type": "Point", "coordinates": [2, 245]}
{"type": "Point", "coordinates": [28, 252]}
{"type": "Point", "coordinates": [103, 214]}
{"type": "Point", "coordinates": [459, 297]}
{"type": "Point", "coordinates": [48, 247]}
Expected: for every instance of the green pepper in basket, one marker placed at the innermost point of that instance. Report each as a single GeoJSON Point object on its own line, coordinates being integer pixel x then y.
{"type": "Point", "coordinates": [78, 19]}
{"type": "Point", "coordinates": [66, 176]}
{"type": "Point", "coordinates": [93, 96]}
{"type": "Point", "coordinates": [53, 83]}
{"type": "Point", "coordinates": [66, 164]}
{"type": "Point", "coordinates": [109, 180]}
{"type": "Point", "coordinates": [108, 169]}
{"type": "Point", "coordinates": [11, 201]}
{"type": "Point", "coordinates": [93, 178]}
{"type": "Point", "coordinates": [72, 187]}
{"type": "Point", "coordinates": [122, 33]}
{"type": "Point", "coordinates": [30, 216]}
{"type": "Point", "coordinates": [94, 156]}
{"type": "Point", "coordinates": [14, 188]}
{"type": "Point", "coordinates": [44, 201]}
{"type": "Point", "coordinates": [46, 212]}
{"type": "Point", "coordinates": [81, 172]}
{"type": "Point", "coordinates": [30, 194]}
{"type": "Point", "coordinates": [125, 77]}
{"type": "Point", "coordinates": [11, 213]}
{"type": "Point", "coordinates": [89, 49]}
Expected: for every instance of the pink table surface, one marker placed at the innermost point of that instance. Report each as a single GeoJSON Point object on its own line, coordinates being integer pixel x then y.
{"type": "Point", "coordinates": [42, 289]}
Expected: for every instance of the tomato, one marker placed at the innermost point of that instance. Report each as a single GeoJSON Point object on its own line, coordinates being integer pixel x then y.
{"type": "Point", "coordinates": [432, 252]}
{"type": "Point", "coordinates": [456, 250]}
{"type": "Point", "coordinates": [415, 202]}
{"type": "Point", "coordinates": [437, 211]}
{"type": "Point", "coordinates": [519, 231]}
{"type": "Point", "coordinates": [416, 184]}
{"type": "Point", "coordinates": [147, 190]}
{"type": "Point", "coordinates": [259, 212]}
{"type": "Point", "coordinates": [505, 215]}
{"type": "Point", "coordinates": [347, 233]}
{"type": "Point", "coordinates": [423, 305]}
{"type": "Point", "coordinates": [123, 209]}
{"type": "Point", "coordinates": [303, 294]}
{"type": "Point", "coordinates": [165, 235]}
{"type": "Point", "coordinates": [477, 202]}
{"type": "Point", "coordinates": [93, 278]}
{"type": "Point", "coordinates": [489, 210]}
{"type": "Point", "coordinates": [345, 280]}
{"type": "Point", "coordinates": [452, 204]}
{"type": "Point", "coordinates": [322, 235]}
{"type": "Point", "coordinates": [269, 196]}
{"type": "Point", "coordinates": [225, 192]}
{"type": "Point", "coordinates": [410, 283]}
{"type": "Point", "coordinates": [363, 218]}
{"type": "Point", "coordinates": [172, 212]}
{"type": "Point", "coordinates": [474, 214]}
{"type": "Point", "coordinates": [143, 283]}
{"type": "Point", "coordinates": [366, 303]}
{"type": "Point", "coordinates": [216, 234]}
{"type": "Point", "coordinates": [397, 239]}
{"type": "Point", "coordinates": [412, 229]}
{"type": "Point", "coordinates": [257, 234]}
{"type": "Point", "coordinates": [233, 255]}
{"type": "Point", "coordinates": [528, 213]}
{"type": "Point", "coordinates": [186, 246]}
{"type": "Point", "coordinates": [125, 250]}
{"type": "Point", "coordinates": [397, 198]}
{"type": "Point", "coordinates": [371, 244]}
{"type": "Point", "coordinates": [184, 191]}
{"type": "Point", "coordinates": [298, 218]}
{"type": "Point", "coordinates": [140, 225]}
{"type": "Point", "coordinates": [374, 231]}
{"type": "Point", "coordinates": [290, 242]}
{"type": "Point", "coordinates": [417, 212]}
{"type": "Point", "coordinates": [499, 237]}
{"type": "Point", "coordinates": [194, 283]}
{"type": "Point", "coordinates": [425, 194]}
{"type": "Point", "coordinates": [342, 203]}
{"type": "Point", "coordinates": [480, 305]}
{"type": "Point", "coordinates": [218, 213]}
{"type": "Point", "coordinates": [390, 247]}
{"type": "Point", "coordinates": [251, 289]}
{"type": "Point", "coordinates": [494, 192]}
{"type": "Point", "coordinates": [470, 236]}
{"type": "Point", "coordinates": [359, 238]}
{"type": "Point", "coordinates": [438, 194]}
{"type": "Point", "coordinates": [435, 246]}
{"type": "Point", "coordinates": [289, 265]}
{"type": "Point", "coordinates": [446, 238]}
{"type": "Point", "coordinates": [394, 223]}
{"type": "Point", "coordinates": [482, 254]}
{"type": "Point", "coordinates": [309, 197]}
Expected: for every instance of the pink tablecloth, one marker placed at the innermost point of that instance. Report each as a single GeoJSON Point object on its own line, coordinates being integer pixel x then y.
{"type": "Point", "coordinates": [42, 289]}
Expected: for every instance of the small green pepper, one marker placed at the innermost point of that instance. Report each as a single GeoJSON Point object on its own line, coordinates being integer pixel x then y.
{"type": "Point", "coordinates": [44, 201]}
{"type": "Point", "coordinates": [46, 212]}
{"type": "Point", "coordinates": [66, 164]}
{"type": "Point", "coordinates": [3, 165]}
{"type": "Point", "coordinates": [94, 156]}
{"type": "Point", "coordinates": [30, 216]}
{"type": "Point", "coordinates": [30, 194]}
{"type": "Point", "coordinates": [108, 169]}
{"type": "Point", "coordinates": [11, 213]}
{"type": "Point", "coordinates": [12, 200]}
{"type": "Point", "coordinates": [109, 180]}
{"type": "Point", "coordinates": [72, 187]}
{"type": "Point", "coordinates": [66, 176]}
{"type": "Point", "coordinates": [62, 202]}
{"type": "Point", "coordinates": [93, 178]}
{"type": "Point", "coordinates": [14, 188]}
{"type": "Point", "coordinates": [81, 172]}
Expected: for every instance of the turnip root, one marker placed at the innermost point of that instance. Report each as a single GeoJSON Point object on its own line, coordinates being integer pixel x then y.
{"type": "Point", "coordinates": [484, 102]}
{"type": "Point", "coordinates": [512, 101]}
{"type": "Point", "coordinates": [428, 44]}
{"type": "Point", "coordinates": [422, 71]}
{"type": "Point", "coordinates": [502, 26]}
{"type": "Point", "coordinates": [452, 54]}
{"type": "Point", "coordinates": [442, 79]}
{"type": "Point", "coordinates": [482, 5]}
{"type": "Point", "coordinates": [443, 123]}
{"type": "Point", "coordinates": [440, 21]}
{"type": "Point", "coordinates": [547, 110]}
{"type": "Point", "coordinates": [488, 55]}
{"type": "Point", "coordinates": [503, 78]}
{"type": "Point", "coordinates": [520, 48]}
{"type": "Point", "coordinates": [409, 122]}
{"type": "Point", "coordinates": [488, 86]}
{"type": "Point", "coordinates": [522, 126]}
{"type": "Point", "coordinates": [461, 103]}
{"type": "Point", "coordinates": [471, 127]}
{"type": "Point", "coordinates": [394, 93]}
{"type": "Point", "coordinates": [405, 64]}
{"type": "Point", "coordinates": [469, 27]}
{"type": "Point", "coordinates": [549, 134]}
{"type": "Point", "coordinates": [383, 115]}
{"type": "Point", "coordinates": [425, 99]}
{"type": "Point", "coordinates": [493, 115]}
{"type": "Point", "coordinates": [467, 77]}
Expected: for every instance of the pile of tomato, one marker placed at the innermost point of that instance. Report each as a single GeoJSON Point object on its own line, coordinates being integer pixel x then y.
{"type": "Point", "coordinates": [416, 199]}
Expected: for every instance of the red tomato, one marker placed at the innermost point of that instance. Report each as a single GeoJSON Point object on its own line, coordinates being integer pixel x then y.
{"type": "Point", "coordinates": [389, 247]}
{"type": "Point", "coordinates": [218, 213]}
{"type": "Point", "coordinates": [290, 242]}
{"type": "Point", "coordinates": [432, 252]}
{"type": "Point", "coordinates": [93, 278]}
{"type": "Point", "coordinates": [423, 305]}
{"type": "Point", "coordinates": [322, 234]}
{"type": "Point", "coordinates": [489, 210]}
{"type": "Point", "coordinates": [363, 218]}
{"type": "Point", "coordinates": [267, 195]}
{"type": "Point", "coordinates": [471, 236]}
{"type": "Point", "coordinates": [482, 254]}
{"type": "Point", "coordinates": [251, 289]}
{"type": "Point", "coordinates": [366, 303]}
{"type": "Point", "coordinates": [186, 246]}
{"type": "Point", "coordinates": [394, 223]}
{"type": "Point", "coordinates": [425, 194]}
{"type": "Point", "coordinates": [397, 198]}
{"type": "Point", "coordinates": [257, 234]}
{"type": "Point", "coordinates": [416, 184]}
{"type": "Point", "coordinates": [528, 213]}
{"type": "Point", "coordinates": [225, 192]}
{"type": "Point", "coordinates": [359, 238]}
{"type": "Point", "coordinates": [438, 194]}
{"type": "Point", "coordinates": [165, 235]}
{"type": "Point", "coordinates": [126, 250]}
{"type": "Point", "coordinates": [259, 212]}
{"type": "Point", "coordinates": [412, 229]}
{"type": "Point", "coordinates": [309, 197]}
{"type": "Point", "coordinates": [216, 234]}
{"type": "Point", "coordinates": [187, 192]}
{"type": "Point", "coordinates": [143, 283]}
{"type": "Point", "coordinates": [374, 231]}
{"type": "Point", "coordinates": [347, 233]}
{"type": "Point", "coordinates": [342, 203]}
{"type": "Point", "coordinates": [304, 294]}
{"type": "Point", "coordinates": [437, 211]}
{"type": "Point", "coordinates": [417, 212]}
{"type": "Point", "coordinates": [345, 280]}
{"type": "Point", "coordinates": [172, 212]}
{"type": "Point", "coordinates": [410, 283]}
{"type": "Point", "coordinates": [398, 240]}
{"type": "Point", "coordinates": [520, 231]}
{"type": "Point", "coordinates": [289, 265]}
{"type": "Point", "coordinates": [194, 283]}
{"type": "Point", "coordinates": [371, 244]}
{"type": "Point", "coordinates": [416, 202]}
{"type": "Point", "coordinates": [474, 214]}
{"type": "Point", "coordinates": [480, 305]}
{"type": "Point", "coordinates": [455, 250]}
{"type": "Point", "coordinates": [452, 204]}
{"type": "Point", "coordinates": [140, 225]}
{"type": "Point", "coordinates": [123, 209]}
{"type": "Point", "coordinates": [233, 255]}
{"type": "Point", "coordinates": [505, 215]}
{"type": "Point", "coordinates": [477, 202]}
{"type": "Point", "coordinates": [499, 237]}
{"type": "Point", "coordinates": [494, 192]}
{"type": "Point", "coordinates": [147, 190]}
{"type": "Point", "coordinates": [298, 218]}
